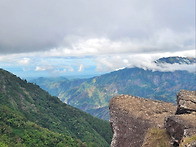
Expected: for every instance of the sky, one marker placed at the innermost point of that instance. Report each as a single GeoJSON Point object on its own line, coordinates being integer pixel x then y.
{"type": "Point", "coordinates": [91, 37]}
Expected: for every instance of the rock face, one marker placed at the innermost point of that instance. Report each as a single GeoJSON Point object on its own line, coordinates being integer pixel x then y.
{"type": "Point", "coordinates": [183, 124]}
{"type": "Point", "coordinates": [132, 117]}
{"type": "Point", "coordinates": [186, 101]}
{"type": "Point", "coordinates": [179, 126]}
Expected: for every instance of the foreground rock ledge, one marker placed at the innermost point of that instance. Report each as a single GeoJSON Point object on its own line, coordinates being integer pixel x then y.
{"type": "Point", "coordinates": [186, 102]}
{"type": "Point", "coordinates": [139, 122]}
{"type": "Point", "coordinates": [181, 126]}
{"type": "Point", "coordinates": [131, 117]}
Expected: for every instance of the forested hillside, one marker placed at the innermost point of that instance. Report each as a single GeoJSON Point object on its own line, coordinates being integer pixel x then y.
{"type": "Point", "coordinates": [32, 117]}
{"type": "Point", "coordinates": [93, 95]}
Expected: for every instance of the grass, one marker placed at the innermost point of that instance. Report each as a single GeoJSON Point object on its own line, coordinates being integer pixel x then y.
{"type": "Point", "coordinates": [188, 140]}
{"type": "Point", "coordinates": [156, 137]}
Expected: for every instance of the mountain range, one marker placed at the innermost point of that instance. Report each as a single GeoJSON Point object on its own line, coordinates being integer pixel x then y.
{"type": "Point", "coordinates": [179, 60]}
{"type": "Point", "coordinates": [30, 116]}
{"type": "Point", "coordinates": [92, 95]}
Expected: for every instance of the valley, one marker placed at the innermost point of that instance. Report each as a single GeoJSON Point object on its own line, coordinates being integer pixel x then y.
{"type": "Point", "coordinates": [93, 95]}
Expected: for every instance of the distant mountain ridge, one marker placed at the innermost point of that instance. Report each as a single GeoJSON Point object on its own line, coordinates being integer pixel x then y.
{"type": "Point", "coordinates": [29, 116]}
{"type": "Point", "coordinates": [93, 95]}
{"type": "Point", "coordinates": [179, 60]}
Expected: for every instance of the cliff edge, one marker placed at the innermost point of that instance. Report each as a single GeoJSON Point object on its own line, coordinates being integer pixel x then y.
{"type": "Point", "coordinates": [140, 122]}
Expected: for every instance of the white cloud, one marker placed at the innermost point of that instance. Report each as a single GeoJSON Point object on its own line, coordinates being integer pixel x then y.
{"type": "Point", "coordinates": [43, 68]}
{"type": "Point", "coordinates": [46, 34]}
{"type": "Point", "coordinates": [172, 67]}
{"type": "Point", "coordinates": [145, 61]}
{"type": "Point", "coordinates": [43, 25]}
{"type": "Point", "coordinates": [24, 61]}
{"type": "Point", "coordinates": [164, 40]}
{"type": "Point", "coordinates": [39, 68]}
{"type": "Point", "coordinates": [81, 68]}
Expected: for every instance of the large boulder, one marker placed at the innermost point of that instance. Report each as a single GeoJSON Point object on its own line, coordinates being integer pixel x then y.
{"type": "Point", "coordinates": [139, 122]}
{"type": "Point", "coordinates": [180, 126]}
{"type": "Point", "coordinates": [186, 101]}
{"type": "Point", "coordinates": [131, 117]}
{"type": "Point", "coordinates": [183, 125]}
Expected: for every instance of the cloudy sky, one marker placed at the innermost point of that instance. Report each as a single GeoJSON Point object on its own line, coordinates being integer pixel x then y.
{"type": "Point", "coordinates": [79, 37]}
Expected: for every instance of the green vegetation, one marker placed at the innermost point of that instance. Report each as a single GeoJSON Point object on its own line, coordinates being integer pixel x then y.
{"type": "Point", "coordinates": [187, 141]}
{"type": "Point", "coordinates": [29, 113]}
{"type": "Point", "coordinates": [92, 94]}
{"type": "Point", "coordinates": [157, 138]}
{"type": "Point", "coordinates": [15, 130]}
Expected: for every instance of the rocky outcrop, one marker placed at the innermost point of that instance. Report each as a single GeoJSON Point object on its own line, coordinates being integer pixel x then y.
{"type": "Point", "coordinates": [131, 117]}
{"type": "Point", "coordinates": [183, 124]}
{"type": "Point", "coordinates": [186, 102]}
{"type": "Point", "coordinates": [179, 126]}
{"type": "Point", "coordinates": [135, 120]}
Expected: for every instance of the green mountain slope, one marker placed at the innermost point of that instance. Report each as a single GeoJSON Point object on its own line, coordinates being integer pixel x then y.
{"type": "Point", "coordinates": [16, 130]}
{"type": "Point", "coordinates": [92, 94]}
{"type": "Point", "coordinates": [38, 107]}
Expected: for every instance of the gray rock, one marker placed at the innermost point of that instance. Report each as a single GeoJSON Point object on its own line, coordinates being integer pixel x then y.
{"type": "Point", "coordinates": [180, 126]}
{"type": "Point", "coordinates": [131, 117]}
{"type": "Point", "coordinates": [186, 101]}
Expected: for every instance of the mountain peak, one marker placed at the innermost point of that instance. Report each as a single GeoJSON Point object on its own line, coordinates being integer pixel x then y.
{"type": "Point", "coordinates": [176, 59]}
